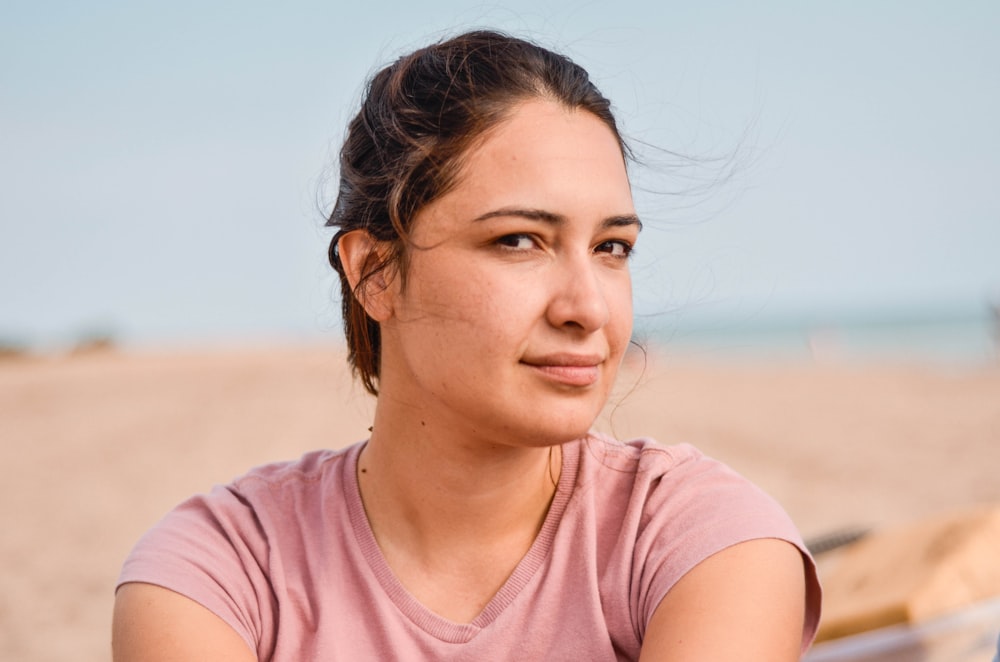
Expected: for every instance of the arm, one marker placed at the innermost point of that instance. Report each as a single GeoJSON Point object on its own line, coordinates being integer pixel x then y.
{"type": "Point", "coordinates": [154, 624]}
{"type": "Point", "coordinates": [746, 602]}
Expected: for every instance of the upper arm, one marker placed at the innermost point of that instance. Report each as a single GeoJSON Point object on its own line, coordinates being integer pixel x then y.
{"type": "Point", "coordinates": [746, 602]}
{"type": "Point", "coordinates": [154, 624]}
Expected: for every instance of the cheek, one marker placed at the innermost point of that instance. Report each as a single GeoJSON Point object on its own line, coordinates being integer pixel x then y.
{"type": "Point", "coordinates": [456, 306]}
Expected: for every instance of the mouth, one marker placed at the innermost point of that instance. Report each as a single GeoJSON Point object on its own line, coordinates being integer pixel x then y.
{"type": "Point", "coordinates": [567, 369]}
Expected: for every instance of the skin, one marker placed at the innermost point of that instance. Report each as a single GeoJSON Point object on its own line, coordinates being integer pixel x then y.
{"type": "Point", "coordinates": [505, 340]}
{"type": "Point", "coordinates": [504, 343]}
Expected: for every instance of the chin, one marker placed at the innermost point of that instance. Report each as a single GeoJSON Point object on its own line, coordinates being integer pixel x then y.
{"type": "Point", "coordinates": [554, 429]}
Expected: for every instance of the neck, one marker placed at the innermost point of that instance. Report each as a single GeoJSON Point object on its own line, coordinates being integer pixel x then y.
{"type": "Point", "coordinates": [437, 492]}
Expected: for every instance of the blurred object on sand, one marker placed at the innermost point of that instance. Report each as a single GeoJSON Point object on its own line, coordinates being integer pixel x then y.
{"type": "Point", "coordinates": [927, 590]}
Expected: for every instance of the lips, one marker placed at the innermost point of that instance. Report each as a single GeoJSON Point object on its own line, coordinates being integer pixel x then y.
{"type": "Point", "coordinates": [567, 369]}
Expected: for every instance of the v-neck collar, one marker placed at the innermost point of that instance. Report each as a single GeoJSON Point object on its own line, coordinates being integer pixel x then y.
{"type": "Point", "coordinates": [427, 620]}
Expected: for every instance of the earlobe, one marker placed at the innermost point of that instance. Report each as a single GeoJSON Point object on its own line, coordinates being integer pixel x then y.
{"type": "Point", "coordinates": [360, 254]}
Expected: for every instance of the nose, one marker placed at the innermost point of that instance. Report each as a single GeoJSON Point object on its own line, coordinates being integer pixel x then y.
{"type": "Point", "coordinates": [578, 300]}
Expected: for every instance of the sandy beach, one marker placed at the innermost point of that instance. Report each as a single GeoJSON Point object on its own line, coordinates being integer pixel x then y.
{"type": "Point", "coordinates": [96, 446]}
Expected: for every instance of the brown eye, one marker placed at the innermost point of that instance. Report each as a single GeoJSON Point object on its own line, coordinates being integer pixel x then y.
{"type": "Point", "coordinates": [615, 248]}
{"type": "Point", "coordinates": [519, 242]}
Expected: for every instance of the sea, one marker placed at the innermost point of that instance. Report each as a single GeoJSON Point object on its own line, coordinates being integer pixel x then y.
{"type": "Point", "coordinates": [970, 336]}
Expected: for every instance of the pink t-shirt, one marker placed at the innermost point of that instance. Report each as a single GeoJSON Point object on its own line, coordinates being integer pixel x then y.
{"type": "Point", "coordinates": [286, 556]}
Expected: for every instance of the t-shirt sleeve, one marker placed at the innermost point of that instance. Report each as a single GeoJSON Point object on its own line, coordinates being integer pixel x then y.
{"type": "Point", "coordinates": [692, 508]}
{"type": "Point", "coordinates": [211, 549]}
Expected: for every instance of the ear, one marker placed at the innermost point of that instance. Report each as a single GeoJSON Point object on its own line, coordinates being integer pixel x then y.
{"type": "Point", "coordinates": [359, 253]}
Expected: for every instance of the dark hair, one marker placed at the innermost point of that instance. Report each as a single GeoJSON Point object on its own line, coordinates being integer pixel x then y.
{"type": "Point", "coordinates": [403, 149]}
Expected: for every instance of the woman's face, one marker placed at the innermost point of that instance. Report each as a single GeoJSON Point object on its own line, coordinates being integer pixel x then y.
{"type": "Point", "coordinates": [517, 306]}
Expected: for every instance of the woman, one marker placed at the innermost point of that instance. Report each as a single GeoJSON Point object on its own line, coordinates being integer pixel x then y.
{"type": "Point", "coordinates": [485, 223]}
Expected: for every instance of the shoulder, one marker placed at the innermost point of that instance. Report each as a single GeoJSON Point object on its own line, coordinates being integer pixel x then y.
{"type": "Point", "coordinates": [256, 506]}
{"type": "Point", "coordinates": [679, 489]}
{"type": "Point", "coordinates": [220, 549]}
{"type": "Point", "coordinates": [641, 453]}
{"type": "Point", "coordinates": [650, 471]}
{"type": "Point", "coordinates": [313, 468]}
{"type": "Point", "coordinates": [673, 508]}
{"type": "Point", "coordinates": [261, 502]}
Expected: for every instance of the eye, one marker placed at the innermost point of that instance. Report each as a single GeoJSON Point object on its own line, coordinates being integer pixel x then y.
{"type": "Point", "coordinates": [615, 248]}
{"type": "Point", "coordinates": [519, 242]}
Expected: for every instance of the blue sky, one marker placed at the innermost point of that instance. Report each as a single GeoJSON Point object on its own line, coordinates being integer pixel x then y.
{"type": "Point", "coordinates": [164, 165]}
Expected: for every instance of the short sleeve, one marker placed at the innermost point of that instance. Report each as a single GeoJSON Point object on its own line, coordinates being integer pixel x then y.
{"type": "Point", "coordinates": [692, 508]}
{"type": "Point", "coordinates": [212, 550]}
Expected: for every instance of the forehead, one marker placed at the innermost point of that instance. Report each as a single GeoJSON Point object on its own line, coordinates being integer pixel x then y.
{"type": "Point", "coordinates": [543, 156]}
{"type": "Point", "coordinates": [539, 131]}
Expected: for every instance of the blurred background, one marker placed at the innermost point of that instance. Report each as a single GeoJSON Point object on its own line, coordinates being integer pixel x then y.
{"type": "Point", "coordinates": [818, 280]}
{"type": "Point", "coordinates": [166, 166]}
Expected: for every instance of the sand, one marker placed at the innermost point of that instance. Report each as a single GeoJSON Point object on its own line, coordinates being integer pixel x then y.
{"type": "Point", "coordinates": [96, 446]}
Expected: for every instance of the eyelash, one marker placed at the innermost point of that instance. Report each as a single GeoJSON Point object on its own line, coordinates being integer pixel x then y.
{"type": "Point", "coordinates": [508, 239]}
{"type": "Point", "coordinates": [627, 248]}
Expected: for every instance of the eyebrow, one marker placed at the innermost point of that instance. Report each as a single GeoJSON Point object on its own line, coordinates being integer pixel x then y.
{"type": "Point", "coordinates": [622, 220]}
